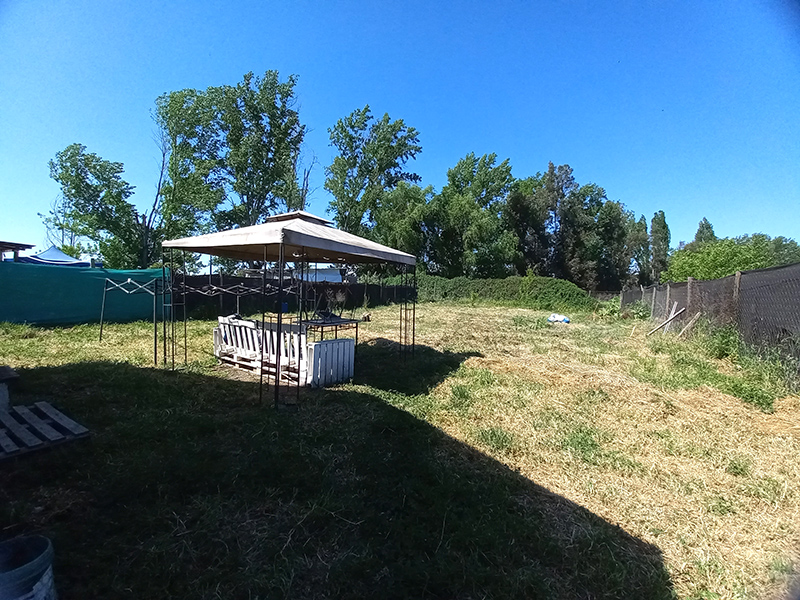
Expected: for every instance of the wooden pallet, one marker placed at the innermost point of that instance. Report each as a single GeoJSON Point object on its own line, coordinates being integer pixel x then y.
{"type": "Point", "coordinates": [26, 429]}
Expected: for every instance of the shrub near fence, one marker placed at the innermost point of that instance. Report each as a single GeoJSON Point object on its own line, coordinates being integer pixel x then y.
{"type": "Point", "coordinates": [764, 305]}
{"type": "Point", "coordinates": [531, 291]}
{"type": "Point", "coordinates": [543, 293]}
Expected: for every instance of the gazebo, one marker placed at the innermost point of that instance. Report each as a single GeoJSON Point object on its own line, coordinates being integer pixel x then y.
{"type": "Point", "coordinates": [295, 237]}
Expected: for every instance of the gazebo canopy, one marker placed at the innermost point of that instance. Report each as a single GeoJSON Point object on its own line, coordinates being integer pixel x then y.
{"type": "Point", "coordinates": [304, 237]}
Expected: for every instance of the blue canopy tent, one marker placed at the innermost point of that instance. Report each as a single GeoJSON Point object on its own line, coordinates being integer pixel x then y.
{"type": "Point", "coordinates": [55, 257]}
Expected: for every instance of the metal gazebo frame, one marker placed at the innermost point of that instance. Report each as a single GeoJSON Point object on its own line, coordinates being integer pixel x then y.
{"type": "Point", "coordinates": [282, 240]}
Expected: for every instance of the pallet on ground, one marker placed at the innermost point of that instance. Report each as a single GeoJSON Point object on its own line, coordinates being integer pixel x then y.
{"type": "Point", "coordinates": [25, 429]}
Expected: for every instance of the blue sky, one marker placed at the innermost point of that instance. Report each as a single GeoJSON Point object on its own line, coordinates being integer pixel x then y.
{"type": "Point", "coordinates": [691, 107]}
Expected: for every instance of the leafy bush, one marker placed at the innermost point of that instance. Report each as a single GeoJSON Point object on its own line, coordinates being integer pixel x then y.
{"type": "Point", "coordinates": [531, 291]}
{"type": "Point", "coordinates": [637, 310]}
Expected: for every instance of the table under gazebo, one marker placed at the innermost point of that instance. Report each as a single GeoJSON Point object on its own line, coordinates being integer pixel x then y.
{"type": "Point", "coordinates": [280, 348]}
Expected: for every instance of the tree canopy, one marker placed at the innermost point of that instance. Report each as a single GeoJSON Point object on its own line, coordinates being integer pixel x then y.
{"type": "Point", "coordinates": [230, 156]}
{"type": "Point", "coordinates": [722, 257]}
{"type": "Point", "coordinates": [95, 202]}
{"type": "Point", "coordinates": [233, 151]}
{"type": "Point", "coordinates": [371, 157]}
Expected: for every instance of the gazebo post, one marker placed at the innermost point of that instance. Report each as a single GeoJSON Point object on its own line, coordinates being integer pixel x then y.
{"type": "Point", "coordinates": [414, 316]}
{"type": "Point", "coordinates": [263, 333]}
{"type": "Point", "coordinates": [172, 305]}
{"type": "Point", "coordinates": [183, 294]}
{"type": "Point", "coordinates": [280, 326]}
{"type": "Point", "coordinates": [163, 302]}
{"type": "Point", "coordinates": [301, 351]}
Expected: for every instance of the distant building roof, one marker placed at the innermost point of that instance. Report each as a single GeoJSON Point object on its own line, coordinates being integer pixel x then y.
{"type": "Point", "coordinates": [14, 246]}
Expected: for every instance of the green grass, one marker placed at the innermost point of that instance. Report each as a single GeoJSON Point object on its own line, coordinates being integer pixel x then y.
{"type": "Point", "coordinates": [690, 365]}
{"type": "Point", "coordinates": [496, 438]}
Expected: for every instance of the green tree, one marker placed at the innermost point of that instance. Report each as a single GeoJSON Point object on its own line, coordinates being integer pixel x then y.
{"type": "Point", "coordinates": [400, 216]}
{"type": "Point", "coordinates": [260, 142]}
{"type": "Point", "coordinates": [615, 250]}
{"type": "Point", "coordinates": [705, 232]}
{"type": "Point", "coordinates": [723, 257]}
{"type": "Point", "coordinates": [720, 258]}
{"type": "Point", "coordinates": [526, 214]}
{"type": "Point", "coordinates": [639, 243]}
{"type": "Point", "coordinates": [370, 162]}
{"type": "Point", "coordinates": [97, 198]}
{"type": "Point", "coordinates": [232, 151]}
{"type": "Point", "coordinates": [188, 140]}
{"type": "Point", "coordinates": [659, 244]}
{"type": "Point", "coordinates": [65, 229]}
{"type": "Point", "coordinates": [786, 250]}
{"type": "Point", "coordinates": [463, 224]}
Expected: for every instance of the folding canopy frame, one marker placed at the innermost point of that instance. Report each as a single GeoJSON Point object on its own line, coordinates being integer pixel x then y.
{"type": "Point", "coordinates": [297, 237]}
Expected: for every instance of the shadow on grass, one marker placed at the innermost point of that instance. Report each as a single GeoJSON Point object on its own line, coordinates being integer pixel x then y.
{"type": "Point", "coordinates": [379, 364]}
{"type": "Point", "coordinates": [190, 488]}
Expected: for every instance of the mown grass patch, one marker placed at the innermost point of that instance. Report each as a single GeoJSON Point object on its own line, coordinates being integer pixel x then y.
{"type": "Point", "coordinates": [505, 459]}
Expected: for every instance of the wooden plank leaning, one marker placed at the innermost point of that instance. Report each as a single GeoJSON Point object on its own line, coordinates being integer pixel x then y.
{"type": "Point", "coordinates": [676, 315]}
{"type": "Point", "coordinates": [689, 325]}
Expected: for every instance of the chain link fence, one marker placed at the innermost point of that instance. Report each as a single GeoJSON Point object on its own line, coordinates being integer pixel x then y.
{"type": "Point", "coordinates": [764, 305]}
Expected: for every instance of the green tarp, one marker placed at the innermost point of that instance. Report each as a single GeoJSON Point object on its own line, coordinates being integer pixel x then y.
{"type": "Point", "coordinates": [55, 295]}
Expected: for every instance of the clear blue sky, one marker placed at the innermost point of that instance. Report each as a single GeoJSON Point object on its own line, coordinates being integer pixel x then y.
{"type": "Point", "coordinates": [692, 107]}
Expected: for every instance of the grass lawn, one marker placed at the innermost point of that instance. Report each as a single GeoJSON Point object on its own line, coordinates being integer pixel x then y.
{"type": "Point", "coordinates": [509, 458]}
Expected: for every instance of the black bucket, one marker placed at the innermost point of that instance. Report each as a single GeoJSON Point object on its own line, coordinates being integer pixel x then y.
{"type": "Point", "coordinates": [26, 569]}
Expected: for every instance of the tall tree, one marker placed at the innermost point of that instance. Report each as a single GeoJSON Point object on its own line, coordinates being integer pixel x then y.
{"type": "Point", "coordinates": [97, 197]}
{"type": "Point", "coordinates": [615, 253]}
{"type": "Point", "coordinates": [233, 150]}
{"type": "Point", "coordinates": [705, 232]}
{"type": "Point", "coordinates": [399, 219]}
{"type": "Point", "coordinates": [261, 138]}
{"type": "Point", "coordinates": [639, 242]}
{"type": "Point", "coordinates": [659, 244]}
{"type": "Point", "coordinates": [371, 158]}
{"type": "Point", "coordinates": [66, 229]}
{"type": "Point", "coordinates": [464, 225]}
{"type": "Point", "coordinates": [188, 140]}
{"type": "Point", "coordinates": [526, 213]}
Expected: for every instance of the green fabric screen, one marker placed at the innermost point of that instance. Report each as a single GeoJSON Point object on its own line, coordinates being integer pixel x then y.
{"type": "Point", "coordinates": [51, 295]}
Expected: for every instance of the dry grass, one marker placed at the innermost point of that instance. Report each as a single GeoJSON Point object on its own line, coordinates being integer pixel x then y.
{"type": "Point", "coordinates": [710, 480]}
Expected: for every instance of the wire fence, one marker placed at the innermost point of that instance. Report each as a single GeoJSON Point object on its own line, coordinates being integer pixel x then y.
{"type": "Point", "coordinates": [220, 294]}
{"type": "Point", "coordinates": [763, 305]}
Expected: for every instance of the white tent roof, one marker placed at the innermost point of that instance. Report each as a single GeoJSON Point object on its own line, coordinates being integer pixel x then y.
{"type": "Point", "coordinates": [304, 237]}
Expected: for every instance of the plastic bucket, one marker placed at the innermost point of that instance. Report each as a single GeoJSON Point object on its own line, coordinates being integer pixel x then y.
{"type": "Point", "coordinates": [26, 569]}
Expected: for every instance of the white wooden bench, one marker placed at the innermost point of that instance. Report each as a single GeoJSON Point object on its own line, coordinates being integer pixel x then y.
{"type": "Point", "coordinates": [239, 342]}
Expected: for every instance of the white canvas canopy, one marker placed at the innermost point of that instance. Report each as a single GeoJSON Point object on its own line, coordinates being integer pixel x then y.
{"type": "Point", "coordinates": [303, 236]}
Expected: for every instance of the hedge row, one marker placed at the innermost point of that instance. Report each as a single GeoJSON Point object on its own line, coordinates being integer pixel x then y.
{"type": "Point", "coordinates": [543, 293]}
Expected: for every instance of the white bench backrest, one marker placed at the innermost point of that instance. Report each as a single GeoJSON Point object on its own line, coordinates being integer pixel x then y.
{"type": "Point", "coordinates": [243, 334]}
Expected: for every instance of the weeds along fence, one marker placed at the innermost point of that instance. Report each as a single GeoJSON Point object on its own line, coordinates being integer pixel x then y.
{"type": "Point", "coordinates": [763, 305]}
{"type": "Point", "coordinates": [220, 294]}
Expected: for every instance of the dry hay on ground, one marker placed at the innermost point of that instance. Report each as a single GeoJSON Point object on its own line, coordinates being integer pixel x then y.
{"type": "Point", "coordinates": [710, 480]}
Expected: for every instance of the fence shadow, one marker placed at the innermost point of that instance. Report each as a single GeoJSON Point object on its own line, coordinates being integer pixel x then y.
{"type": "Point", "coordinates": [190, 488]}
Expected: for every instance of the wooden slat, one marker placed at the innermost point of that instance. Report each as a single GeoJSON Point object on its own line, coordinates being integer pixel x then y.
{"type": "Point", "coordinates": [6, 444]}
{"type": "Point", "coordinates": [61, 419]}
{"type": "Point", "coordinates": [19, 431]}
{"type": "Point", "coordinates": [40, 426]}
